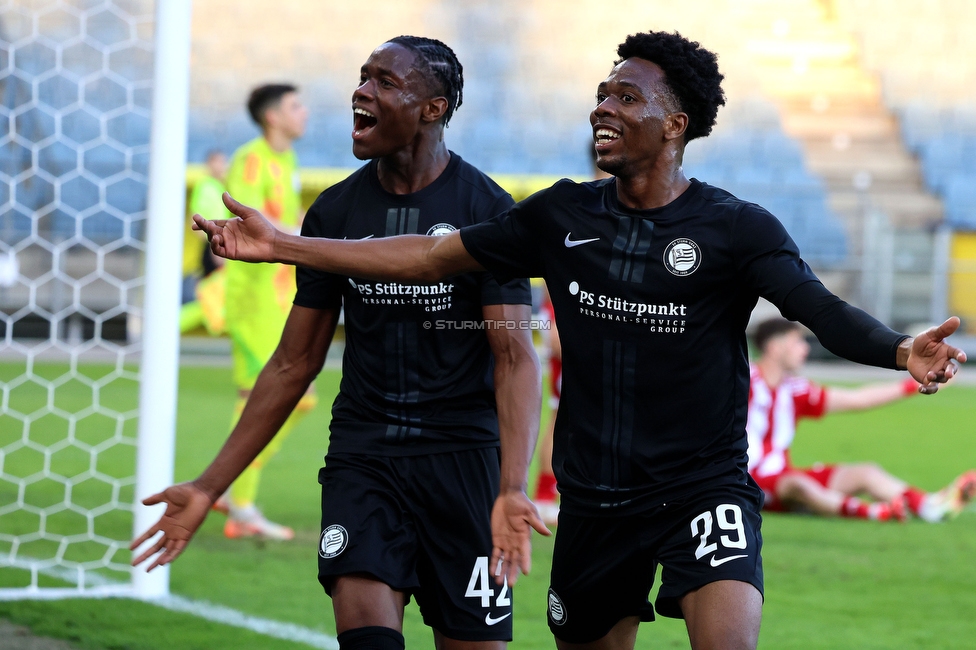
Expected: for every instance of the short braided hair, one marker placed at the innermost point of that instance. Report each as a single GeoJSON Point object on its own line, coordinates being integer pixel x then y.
{"type": "Point", "coordinates": [690, 71]}
{"type": "Point", "coordinates": [442, 68]}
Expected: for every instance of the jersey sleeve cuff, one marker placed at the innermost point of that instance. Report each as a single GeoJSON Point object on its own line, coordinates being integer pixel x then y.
{"type": "Point", "coordinates": [469, 239]}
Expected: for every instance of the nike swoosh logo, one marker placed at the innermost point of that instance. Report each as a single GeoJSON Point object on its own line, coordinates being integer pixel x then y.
{"type": "Point", "coordinates": [578, 242]}
{"type": "Point", "coordinates": [492, 621]}
{"type": "Point", "coordinates": [362, 238]}
{"type": "Point", "coordinates": [717, 562]}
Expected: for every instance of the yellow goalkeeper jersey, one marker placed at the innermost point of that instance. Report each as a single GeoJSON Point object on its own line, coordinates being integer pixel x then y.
{"type": "Point", "coordinates": [259, 296]}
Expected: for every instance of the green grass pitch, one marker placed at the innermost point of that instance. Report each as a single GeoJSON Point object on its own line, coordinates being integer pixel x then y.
{"type": "Point", "coordinates": [829, 583]}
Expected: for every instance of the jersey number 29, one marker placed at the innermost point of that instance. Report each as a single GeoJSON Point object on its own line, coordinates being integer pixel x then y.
{"type": "Point", "coordinates": [729, 518]}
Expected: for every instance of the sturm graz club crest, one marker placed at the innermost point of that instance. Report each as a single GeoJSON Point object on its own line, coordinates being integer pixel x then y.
{"type": "Point", "coordinates": [333, 541]}
{"type": "Point", "coordinates": [682, 257]}
{"type": "Point", "coordinates": [440, 229]}
{"type": "Point", "coordinates": [557, 612]}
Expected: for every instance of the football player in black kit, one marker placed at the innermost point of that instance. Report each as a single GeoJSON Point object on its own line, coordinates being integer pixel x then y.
{"type": "Point", "coordinates": [653, 277]}
{"type": "Point", "coordinates": [413, 469]}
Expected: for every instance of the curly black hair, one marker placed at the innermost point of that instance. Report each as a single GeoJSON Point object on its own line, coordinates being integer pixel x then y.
{"type": "Point", "coordinates": [264, 97]}
{"type": "Point", "coordinates": [691, 73]}
{"type": "Point", "coordinates": [443, 68]}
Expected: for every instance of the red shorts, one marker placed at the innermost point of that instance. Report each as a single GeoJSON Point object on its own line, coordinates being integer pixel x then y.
{"type": "Point", "coordinates": [555, 381]}
{"type": "Point", "coordinates": [820, 473]}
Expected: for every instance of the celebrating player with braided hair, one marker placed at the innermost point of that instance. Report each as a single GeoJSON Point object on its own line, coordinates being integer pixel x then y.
{"type": "Point", "coordinates": [413, 469]}
{"type": "Point", "coordinates": [653, 277]}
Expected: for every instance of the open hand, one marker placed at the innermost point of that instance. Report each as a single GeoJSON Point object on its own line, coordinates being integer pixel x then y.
{"type": "Point", "coordinates": [932, 361]}
{"type": "Point", "coordinates": [249, 238]}
{"type": "Point", "coordinates": [512, 519]}
{"type": "Point", "coordinates": [186, 508]}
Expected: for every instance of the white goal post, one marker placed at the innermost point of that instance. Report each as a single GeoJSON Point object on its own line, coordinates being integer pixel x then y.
{"type": "Point", "coordinates": [161, 342]}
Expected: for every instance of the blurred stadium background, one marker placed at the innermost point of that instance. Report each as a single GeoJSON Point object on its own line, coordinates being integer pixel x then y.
{"type": "Point", "coordinates": [853, 121]}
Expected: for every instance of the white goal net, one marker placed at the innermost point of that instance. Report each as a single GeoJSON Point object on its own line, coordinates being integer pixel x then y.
{"type": "Point", "coordinates": [75, 100]}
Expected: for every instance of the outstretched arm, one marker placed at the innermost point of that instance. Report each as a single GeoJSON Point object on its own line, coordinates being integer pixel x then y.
{"type": "Point", "coordinates": [518, 395]}
{"type": "Point", "coordinates": [406, 258]}
{"type": "Point", "coordinates": [853, 334]}
{"type": "Point", "coordinates": [771, 263]}
{"type": "Point", "coordinates": [281, 384]}
{"type": "Point", "coordinates": [866, 397]}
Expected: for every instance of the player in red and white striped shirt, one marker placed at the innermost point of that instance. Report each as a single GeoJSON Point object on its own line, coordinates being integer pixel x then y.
{"type": "Point", "coordinates": [778, 398]}
{"type": "Point", "coordinates": [546, 495]}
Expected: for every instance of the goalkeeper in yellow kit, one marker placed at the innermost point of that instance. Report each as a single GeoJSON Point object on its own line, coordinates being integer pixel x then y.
{"type": "Point", "coordinates": [263, 172]}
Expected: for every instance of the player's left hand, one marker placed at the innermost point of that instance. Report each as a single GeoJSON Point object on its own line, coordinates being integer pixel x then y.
{"type": "Point", "coordinates": [186, 508]}
{"type": "Point", "coordinates": [512, 519]}
{"type": "Point", "coordinates": [932, 361]}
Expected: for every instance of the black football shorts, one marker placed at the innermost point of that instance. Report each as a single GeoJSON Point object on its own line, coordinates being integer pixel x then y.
{"type": "Point", "coordinates": [603, 567]}
{"type": "Point", "coordinates": [421, 524]}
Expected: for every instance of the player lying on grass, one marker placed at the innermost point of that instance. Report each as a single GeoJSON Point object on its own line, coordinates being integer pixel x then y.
{"type": "Point", "coordinates": [778, 397]}
{"type": "Point", "coordinates": [413, 469]}
{"type": "Point", "coordinates": [653, 277]}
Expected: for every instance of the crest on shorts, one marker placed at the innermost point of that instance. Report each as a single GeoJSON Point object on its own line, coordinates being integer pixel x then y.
{"type": "Point", "coordinates": [682, 257]}
{"type": "Point", "coordinates": [440, 229]}
{"type": "Point", "coordinates": [557, 611]}
{"type": "Point", "coordinates": [333, 541]}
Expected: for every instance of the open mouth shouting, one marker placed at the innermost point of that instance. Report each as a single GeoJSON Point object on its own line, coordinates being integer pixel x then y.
{"type": "Point", "coordinates": [363, 123]}
{"type": "Point", "coordinates": [604, 137]}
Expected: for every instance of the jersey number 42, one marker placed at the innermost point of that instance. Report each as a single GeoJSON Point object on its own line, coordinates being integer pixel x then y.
{"type": "Point", "coordinates": [479, 586]}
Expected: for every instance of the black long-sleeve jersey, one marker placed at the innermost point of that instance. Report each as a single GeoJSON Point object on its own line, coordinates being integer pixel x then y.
{"type": "Point", "coordinates": [417, 370]}
{"type": "Point", "coordinates": [652, 307]}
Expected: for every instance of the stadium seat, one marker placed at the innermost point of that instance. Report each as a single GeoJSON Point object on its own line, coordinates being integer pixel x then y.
{"type": "Point", "coordinates": [960, 197]}
{"type": "Point", "coordinates": [927, 61]}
